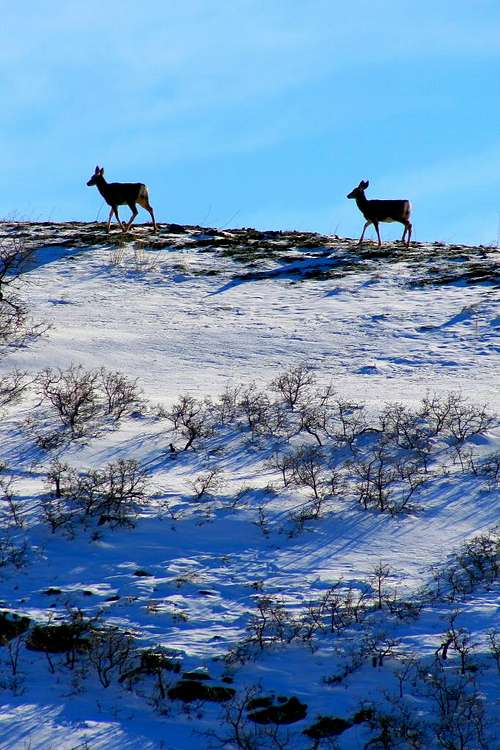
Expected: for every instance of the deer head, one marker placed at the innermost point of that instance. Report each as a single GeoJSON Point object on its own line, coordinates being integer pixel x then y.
{"type": "Point", "coordinates": [359, 190]}
{"type": "Point", "coordinates": [99, 172]}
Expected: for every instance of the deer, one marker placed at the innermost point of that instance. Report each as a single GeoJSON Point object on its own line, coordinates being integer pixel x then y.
{"type": "Point", "coordinates": [120, 194]}
{"type": "Point", "coordinates": [375, 211]}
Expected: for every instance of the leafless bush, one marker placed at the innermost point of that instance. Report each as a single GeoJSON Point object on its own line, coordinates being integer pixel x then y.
{"type": "Point", "coordinates": [295, 384]}
{"type": "Point", "coordinates": [395, 728]}
{"type": "Point", "coordinates": [208, 483]}
{"type": "Point", "coordinates": [263, 416]}
{"type": "Point", "coordinates": [273, 623]}
{"type": "Point", "coordinates": [452, 415]}
{"type": "Point", "coordinates": [226, 408]}
{"type": "Point", "coordinates": [74, 395]}
{"type": "Point", "coordinates": [379, 576]}
{"type": "Point", "coordinates": [406, 669]}
{"type": "Point", "coordinates": [408, 429]}
{"type": "Point", "coordinates": [283, 463]}
{"type": "Point", "coordinates": [12, 387]}
{"type": "Point", "coordinates": [16, 328]}
{"type": "Point", "coordinates": [119, 393]}
{"type": "Point", "coordinates": [305, 467]}
{"type": "Point", "coordinates": [476, 563]}
{"type": "Point", "coordinates": [110, 651]}
{"type": "Point", "coordinates": [235, 730]}
{"type": "Point", "coordinates": [308, 470]}
{"type": "Point", "coordinates": [327, 416]}
{"type": "Point", "coordinates": [113, 493]}
{"type": "Point", "coordinates": [80, 396]}
{"type": "Point", "coordinates": [13, 551]}
{"type": "Point", "coordinates": [493, 637]}
{"type": "Point", "coordinates": [386, 481]}
{"type": "Point", "coordinates": [191, 419]}
{"type": "Point", "coordinates": [10, 507]}
{"type": "Point", "coordinates": [15, 257]}
{"type": "Point", "coordinates": [352, 657]}
{"type": "Point", "coordinates": [487, 468]}
{"type": "Point", "coordinates": [458, 707]}
{"type": "Point", "coordinates": [13, 648]}
{"type": "Point", "coordinates": [459, 639]}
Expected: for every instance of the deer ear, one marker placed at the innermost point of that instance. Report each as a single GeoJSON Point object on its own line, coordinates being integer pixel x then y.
{"type": "Point", "coordinates": [101, 170]}
{"type": "Point", "coordinates": [96, 170]}
{"type": "Point", "coordinates": [365, 184]}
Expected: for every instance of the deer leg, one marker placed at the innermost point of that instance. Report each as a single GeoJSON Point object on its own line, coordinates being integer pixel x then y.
{"type": "Point", "coordinates": [134, 214]}
{"type": "Point", "coordinates": [150, 210]}
{"type": "Point", "coordinates": [367, 224]}
{"type": "Point", "coordinates": [409, 228]}
{"type": "Point", "coordinates": [114, 210]}
{"type": "Point", "coordinates": [375, 224]}
{"type": "Point", "coordinates": [144, 202]}
{"type": "Point", "coordinates": [109, 220]}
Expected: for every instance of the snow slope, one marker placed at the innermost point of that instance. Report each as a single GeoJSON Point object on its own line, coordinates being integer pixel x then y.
{"type": "Point", "coordinates": [193, 311]}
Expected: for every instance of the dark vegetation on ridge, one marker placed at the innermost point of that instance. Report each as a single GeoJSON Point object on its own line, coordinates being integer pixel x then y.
{"type": "Point", "coordinates": [296, 255]}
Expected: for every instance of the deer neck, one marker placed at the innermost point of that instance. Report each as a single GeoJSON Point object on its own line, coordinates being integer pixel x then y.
{"type": "Point", "coordinates": [102, 186]}
{"type": "Point", "coordinates": [361, 201]}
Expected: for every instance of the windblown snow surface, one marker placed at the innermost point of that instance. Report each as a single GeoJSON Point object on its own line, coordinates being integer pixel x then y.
{"type": "Point", "coordinates": [196, 311]}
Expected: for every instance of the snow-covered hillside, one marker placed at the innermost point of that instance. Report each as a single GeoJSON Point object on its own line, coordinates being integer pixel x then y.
{"type": "Point", "coordinates": [313, 474]}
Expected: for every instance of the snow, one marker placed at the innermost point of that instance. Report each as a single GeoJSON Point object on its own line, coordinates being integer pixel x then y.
{"type": "Point", "coordinates": [185, 316]}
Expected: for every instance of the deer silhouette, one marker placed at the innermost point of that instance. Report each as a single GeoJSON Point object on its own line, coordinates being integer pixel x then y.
{"type": "Point", "coordinates": [122, 194]}
{"type": "Point", "coordinates": [375, 211]}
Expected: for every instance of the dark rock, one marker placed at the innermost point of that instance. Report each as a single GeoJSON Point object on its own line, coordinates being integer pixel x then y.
{"type": "Point", "coordinates": [194, 690]}
{"type": "Point", "coordinates": [12, 625]}
{"type": "Point", "coordinates": [364, 714]}
{"type": "Point", "coordinates": [327, 726]}
{"type": "Point", "coordinates": [286, 713]}
{"type": "Point", "coordinates": [57, 639]}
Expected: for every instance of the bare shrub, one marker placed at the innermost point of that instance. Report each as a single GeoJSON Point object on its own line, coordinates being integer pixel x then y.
{"type": "Point", "coordinates": [79, 396]}
{"type": "Point", "coordinates": [452, 415]}
{"type": "Point", "coordinates": [10, 507]}
{"type": "Point", "coordinates": [16, 328]}
{"type": "Point", "coordinates": [493, 637]}
{"type": "Point", "coordinates": [307, 469]}
{"type": "Point", "coordinates": [459, 639]}
{"type": "Point", "coordinates": [487, 468]}
{"type": "Point", "coordinates": [379, 575]}
{"type": "Point", "coordinates": [407, 429]}
{"type": "Point", "coordinates": [13, 551]}
{"type": "Point", "coordinates": [12, 387]}
{"type": "Point", "coordinates": [235, 730]}
{"type": "Point", "coordinates": [327, 416]}
{"type": "Point", "coordinates": [74, 395]}
{"type": "Point", "coordinates": [226, 408]}
{"type": "Point", "coordinates": [273, 623]}
{"type": "Point", "coordinates": [386, 481]}
{"type": "Point", "coordinates": [476, 563]}
{"type": "Point", "coordinates": [294, 385]}
{"type": "Point", "coordinates": [191, 419]}
{"type": "Point", "coordinates": [113, 493]}
{"type": "Point", "coordinates": [263, 416]}
{"type": "Point", "coordinates": [283, 463]}
{"type": "Point", "coordinates": [207, 484]}
{"type": "Point", "coordinates": [395, 728]}
{"type": "Point", "coordinates": [458, 706]}
{"type": "Point", "coordinates": [110, 651]}
{"type": "Point", "coordinates": [120, 394]}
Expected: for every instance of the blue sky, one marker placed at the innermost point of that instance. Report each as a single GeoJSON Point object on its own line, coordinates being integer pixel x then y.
{"type": "Point", "coordinates": [257, 113]}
